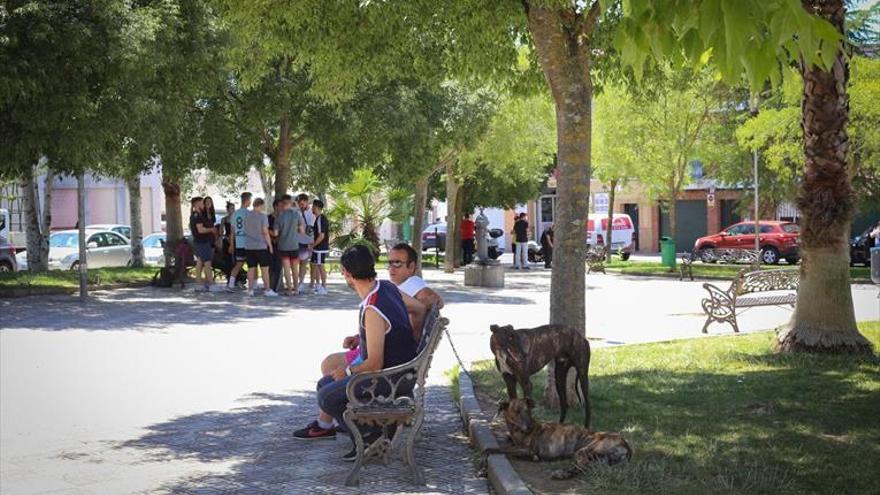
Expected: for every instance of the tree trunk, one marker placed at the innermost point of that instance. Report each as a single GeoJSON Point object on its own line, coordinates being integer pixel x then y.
{"type": "Point", "coordinates": [824, 318]}
{"type": "Point", "coordinates": [37, 242]}
{"type": "Point", "coordinates": [173, 216]}
{"type": "Point", "coordinates": [137, 226]}
{"type": "Point", "coordinates": [83, 249]}
{"type": "Point", "coordinates": [420, 198]}
{"type": "Point", "coordinates": [281, 159]}
{"type": "Point", "coordinates": [451, 221]}
{"type": "Point", "coordinates": [562, 41]}
{"type": "Point", "coordinates": [609, 230]}
{"type": "Point", "coordinates": [459, 214]}
{"type": "Point", "coordinates": [48, 189]}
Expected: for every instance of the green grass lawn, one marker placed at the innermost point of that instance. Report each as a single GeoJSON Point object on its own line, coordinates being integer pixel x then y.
{"type": "Point", "coordinates": [706, 270]}
{"type": "Point", "coordinates": [66, 280]}
{"type": "Point", "coordinates": [727, 415]}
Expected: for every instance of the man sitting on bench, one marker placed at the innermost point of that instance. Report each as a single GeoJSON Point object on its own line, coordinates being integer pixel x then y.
{"type": "Point", "coordinates": [384, 330]}
{"type": "Point", "coordinates": [402, 267]}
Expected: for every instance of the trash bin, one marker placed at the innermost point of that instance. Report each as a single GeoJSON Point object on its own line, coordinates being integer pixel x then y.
{"type": "Point", "coordinates": [667, 252]}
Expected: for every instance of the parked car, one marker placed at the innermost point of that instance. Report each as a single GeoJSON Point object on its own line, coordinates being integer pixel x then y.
{"type": "Point", "coordinates": [123, 230]}
{"type": "Point", "coordinates": [434, 235]}
{"type": "Point", "coordinates": [154, 249]}
{"type": "Point", "coordinates": [860, 248]}
{"type": "Point", "coordinates": [777, 240]}
{"type": "Point", "coordinates": [105, 248]}
{"type": "Point", "coordinates": [7, 256]}
{"type": "Point", "coordinates": [623, 233]}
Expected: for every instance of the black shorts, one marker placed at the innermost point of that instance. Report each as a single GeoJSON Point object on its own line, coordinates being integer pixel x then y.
{"type": "Point", "coordinates": [258, 257]}
{"type": "Point", "coordinates": [318, 257]}
{"type": "Point", "coordinates": [240, 255]}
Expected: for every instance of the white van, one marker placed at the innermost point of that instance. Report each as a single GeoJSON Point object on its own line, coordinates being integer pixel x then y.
{"type": "Point", "coordinates": [623, 233]}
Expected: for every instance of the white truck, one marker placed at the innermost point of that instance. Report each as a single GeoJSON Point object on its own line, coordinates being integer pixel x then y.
{"type": "Point", "coordinates": [12, 229]}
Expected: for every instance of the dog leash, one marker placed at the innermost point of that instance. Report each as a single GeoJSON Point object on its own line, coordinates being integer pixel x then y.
{"type": "Point", "coordinates": [457, 357]}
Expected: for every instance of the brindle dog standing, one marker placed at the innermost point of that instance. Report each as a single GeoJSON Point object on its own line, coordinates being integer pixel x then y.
{"type": "Point", "coordinates": [551, 441]}
{"type": "Point", "coordinates": [521, 353]}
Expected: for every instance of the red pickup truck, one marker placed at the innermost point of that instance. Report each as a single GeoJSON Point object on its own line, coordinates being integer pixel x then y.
{"type": "Point", "coordinates": [777, 240]}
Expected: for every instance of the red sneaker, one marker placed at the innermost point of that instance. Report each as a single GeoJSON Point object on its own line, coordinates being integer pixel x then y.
{"type": "Point", "coordinates": [314, 432]}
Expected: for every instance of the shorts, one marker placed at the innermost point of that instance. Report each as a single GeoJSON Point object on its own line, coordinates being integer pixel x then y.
{"type": "Point", "coordinates": [318, 257]}
{"type": "Point", "coordinates": [240, 255]}
{"type": "Point", "coordinates": [259, 257]}
{"type": "Point", "coordinates": [351, 355]}
{"type": "Point", "coordinates": [304, 252]}
{"type": "Point", "coordinates": [292, 256]}
{"type": "Point", "coordinates": [204, 251]}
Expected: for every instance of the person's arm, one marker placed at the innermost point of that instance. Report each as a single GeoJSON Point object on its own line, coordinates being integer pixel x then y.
{"type": "Point", "coordinates": [200, 227]}
{"type": "Point", "coordinates": [321, 236]}
{"type": "Point", "coordinates": [375, 326]}
{"type": "Point", "coordinates": [428, 297]}
{"type": "Point", "coordinates": [416, 311]}
{"type": "Point", "coordinates": [267, 237]}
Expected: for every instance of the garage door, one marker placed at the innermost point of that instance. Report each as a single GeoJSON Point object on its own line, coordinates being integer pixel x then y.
{"type": "Point", "coordinates": [690, 223]}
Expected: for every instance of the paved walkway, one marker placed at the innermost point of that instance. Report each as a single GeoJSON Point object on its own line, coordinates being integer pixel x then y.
{"type": "Point", "coordinates": [158, 391]}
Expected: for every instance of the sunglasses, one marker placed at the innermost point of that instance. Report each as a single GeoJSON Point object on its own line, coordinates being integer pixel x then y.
{"type": "Point", "coordinates": [396, 263]}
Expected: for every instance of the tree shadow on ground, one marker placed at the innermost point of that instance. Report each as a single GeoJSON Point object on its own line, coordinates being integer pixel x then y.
{"type": "Point", "coordinates": [796, 428]}
{"type": "Point", "coordinates": [257, 438]}
{"type": "Point", "coordinates": [151, 308]}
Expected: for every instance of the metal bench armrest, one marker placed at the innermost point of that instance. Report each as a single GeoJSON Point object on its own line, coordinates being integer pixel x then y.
{"type": "Point", "coordinates": [363, 388]}
{"type": "Point", "coordinates": [720, 303]}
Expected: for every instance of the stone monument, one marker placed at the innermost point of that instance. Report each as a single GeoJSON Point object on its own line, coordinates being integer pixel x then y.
{"type": "Point", "coordinates": [485, 272]}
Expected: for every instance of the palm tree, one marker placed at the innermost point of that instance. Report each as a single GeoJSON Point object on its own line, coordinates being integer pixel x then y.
{"type": "Point", "coordinates": [361, 205]}
{"type": "Point", "coordinates": [824, 319]}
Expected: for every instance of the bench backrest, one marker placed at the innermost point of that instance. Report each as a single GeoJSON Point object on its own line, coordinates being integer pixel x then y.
{"type": "Point", "coordinates": [767, 280]}
{"type": "Point", "coordinates": [428, 327]}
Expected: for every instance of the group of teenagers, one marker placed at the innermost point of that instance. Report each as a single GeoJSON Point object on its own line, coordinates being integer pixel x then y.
{"type": "Point", "coordinates": [391, 316]}
{"type": "Point", "coordinates": [283, 246]}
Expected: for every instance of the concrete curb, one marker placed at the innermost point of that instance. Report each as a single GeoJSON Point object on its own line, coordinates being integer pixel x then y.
{"type": "Point", "coordinates": [504, 479]}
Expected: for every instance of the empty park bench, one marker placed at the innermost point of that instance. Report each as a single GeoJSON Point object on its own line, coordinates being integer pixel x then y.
{"type": "Point", "coordinates": [595, 260]}
{"type": "Point", "coordinates": [393, 399]}
{"type": "Point", "coordinates": [721, 305]}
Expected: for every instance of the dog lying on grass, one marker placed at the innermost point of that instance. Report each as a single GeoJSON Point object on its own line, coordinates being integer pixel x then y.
{"type": "Point", "coordinates": [553, 441]}
{"type": "Point", "coordinates": [520, 354]}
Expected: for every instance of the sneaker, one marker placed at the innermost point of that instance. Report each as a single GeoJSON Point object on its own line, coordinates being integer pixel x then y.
{"type": "Point", "coordinates": [270, 293]}
{"type": "Point", "coordinates": [321, 290]}
{"type": "Point", "coordinates": [302, 288]}
{"type": "Point", "coordinates": [315, 290]}
{"type": "Point", "coordinates": [352, 454]}
{"type": "Point", "coordinates": [314, 432]}
{"type": "Point", "coordinates": [368, 440]}
{"type": "Point", "coordinates": [229, 289]}
{"type": "Point", "coordinates": [250, 292]}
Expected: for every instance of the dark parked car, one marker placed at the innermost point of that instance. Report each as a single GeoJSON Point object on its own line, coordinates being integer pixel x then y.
{"type": "Point", "coordinates": [7, 256]}
{"type": "Point", "coordinates": [777, 240]}
{"type": "Point", "coordinates": [860, 248]}
{"type": "Point", "coordinates": [434, 235]}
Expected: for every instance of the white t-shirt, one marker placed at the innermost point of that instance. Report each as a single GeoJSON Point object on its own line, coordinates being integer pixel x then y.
{"type": "Point", "coordinates": [412, 286]}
